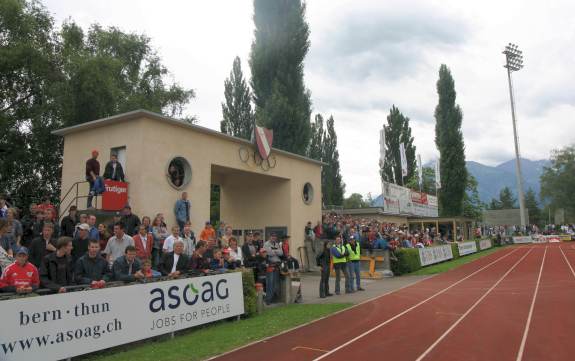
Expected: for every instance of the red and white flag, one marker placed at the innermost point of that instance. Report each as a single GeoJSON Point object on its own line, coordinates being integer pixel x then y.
{"type": "Point", "coordinates": [264, 140]}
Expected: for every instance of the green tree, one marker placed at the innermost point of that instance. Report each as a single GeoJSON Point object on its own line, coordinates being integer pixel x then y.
{"type": "Point", "coordinates": [53, 79]}
{"type": "Point", "coordinates": [472, 205]}
{"type": "Point", "coordinates": [281, 99]}
{"type": "Point", "coordinates": [558, 180]}
{"type": "Point", "coordinates": [449, 141]}
{"type": "Point", "coordinates": [238, 117]}
{"type": "Point", "coordinates": [315, 150]}
{"type": "Point", "coordinates": [333, 187]}
{"type": "Point", "coordinates": [533, 207]}
{"type": "Point", "coordinates": [398, 131]}
{"type": "Point", "coordinates": [355, 200]}
{"type": "Point", "coordinates": [428, 185]}
{"type": "Point", "coordinates": [506, 200]}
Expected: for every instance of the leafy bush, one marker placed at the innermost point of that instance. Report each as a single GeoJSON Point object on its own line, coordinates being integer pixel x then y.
{"type": "Point", "coordinates": [455, 250]}
{"type": "Point", "coordinates": [407, 261]}
{"type": "Point", "coordinates": [250, 296]}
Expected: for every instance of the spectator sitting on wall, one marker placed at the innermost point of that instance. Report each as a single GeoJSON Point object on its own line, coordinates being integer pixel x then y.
{"type": "Point", "coordinates": [199, 262]}
{"type": "Point", "coordinates": [292, 263]}
{"type": "Point", "coordinates": [130, 220]}
{"type": "Point", "coordinates": [80, 242]}
{"type": "Point", "coordinates": [169, 242]}
{"type": "Point", "coordinates": [182, 210]}
{"type": "Point", "coordinates": [175, 263]}
{"type": "Point", "coordinates": [208, 233]}
{"type": "Point", "coordinates": [148, 271]}
{"type": "Point", "coordinates": [68, 224]}
{"type": "Point", "coordinates": [21, 276]}
{"type": "Point", "coordinates": [114, 170]}
{"type": "Point", "coordinates": [43, 245]}
{"type": "Point", "coordinates": [218, 263]}
{"type": "Point", "coordinates": [127, 268]}
{"type": "Point", "coordinates": [189, 239]}
{"type": "Point", "coordinates": [118, 243]}
{"type": "Point", "coordinates": [235, 252]}
{"type": "Point", "coordinates": [91, 268]}
{"type": "Point", "coordinates": [57, 268]}
{"type": "Point", "coordinates": [143, 242]}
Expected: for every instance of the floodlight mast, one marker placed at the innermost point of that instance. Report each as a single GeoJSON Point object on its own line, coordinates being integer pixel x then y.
{"type": "Point", "coordinates": [514, 62]}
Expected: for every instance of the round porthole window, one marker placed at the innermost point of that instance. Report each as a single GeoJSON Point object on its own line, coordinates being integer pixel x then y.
{"type": "Point", "coordinates": [307, 193]}
{"type": "Point", "coordinates": [179, 172]}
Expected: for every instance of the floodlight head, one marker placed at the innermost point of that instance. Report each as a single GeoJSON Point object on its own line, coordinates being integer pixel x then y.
{"type": "Point", "coordinates": [513, 57]}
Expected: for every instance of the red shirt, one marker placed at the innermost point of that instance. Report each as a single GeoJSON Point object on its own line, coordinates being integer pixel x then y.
{"type": "Point", "coordinates": [18, 276]}
{"type": "Point", "coordinates": [141, 252]}
{"type": "Point", "coordinates": [43, 207]}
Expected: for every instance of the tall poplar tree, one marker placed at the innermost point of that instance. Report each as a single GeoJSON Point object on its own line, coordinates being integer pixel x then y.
{"type": "Point", "coordinates": [238, 117]}
{"type": "Point", "coordinates": [449, 141]}
{"type": "Point", "coordinates": [281, 43]}
{"type": "Point", "coordinates": [332, 185]}
{"type": "Point", "coordinates": [315, 150]}
{"type": "Point", "coordinates": [398, 131]}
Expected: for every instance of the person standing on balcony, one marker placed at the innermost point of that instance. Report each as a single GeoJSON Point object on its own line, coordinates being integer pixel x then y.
{"type": "Point", "coordinates": [182, 211]}
{"type": "Point", "coordinates": [114, 170]}
{"type": "Point", "coordinates": [93, 177]}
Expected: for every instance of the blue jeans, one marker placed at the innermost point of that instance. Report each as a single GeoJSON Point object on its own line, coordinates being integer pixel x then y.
{"type": "Point", "coordinates": [353, 270]}
{"type": "Point", "coordinates": [96, 187]}
{"type": "Point", "coordinates": [272, 285]}
{"type": "Point", "coordinates": [339, 269]}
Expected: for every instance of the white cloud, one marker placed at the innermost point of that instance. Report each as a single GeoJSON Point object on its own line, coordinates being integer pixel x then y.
{"type": "Point", "coordinates": [367, 55]}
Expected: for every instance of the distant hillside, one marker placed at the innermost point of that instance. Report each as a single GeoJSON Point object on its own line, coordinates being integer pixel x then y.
{"type": "Point", "coordinates": [492, 179]}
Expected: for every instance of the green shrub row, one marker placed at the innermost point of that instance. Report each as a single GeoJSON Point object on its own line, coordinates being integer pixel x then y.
{"type": "Point", "coordinates": [408, 258]}
{"type": "Point", "coordinates": [250, 296]}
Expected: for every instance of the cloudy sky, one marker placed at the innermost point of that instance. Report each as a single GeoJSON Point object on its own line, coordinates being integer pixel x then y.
{"type": "Point", "coordinates": [367, 55]}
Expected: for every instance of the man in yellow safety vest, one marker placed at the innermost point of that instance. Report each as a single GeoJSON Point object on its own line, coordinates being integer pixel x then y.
{"type": "Point", "coordinates": [339, 255]}
{"type": "Point", "coordinates": [354, 255]}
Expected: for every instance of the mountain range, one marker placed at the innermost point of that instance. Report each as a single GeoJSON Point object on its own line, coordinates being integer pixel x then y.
{"type": "Point", "coordinates": [492, 179]}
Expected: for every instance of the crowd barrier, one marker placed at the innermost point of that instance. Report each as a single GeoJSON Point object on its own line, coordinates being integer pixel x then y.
{"type": "Point", "coordinates": [65, 325]}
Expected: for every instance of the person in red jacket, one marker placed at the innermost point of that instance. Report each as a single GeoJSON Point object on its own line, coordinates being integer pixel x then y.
{"type": "Point", "coordinates": [21, 276]}
{"type": "Point", "coordinates": [143, 243]}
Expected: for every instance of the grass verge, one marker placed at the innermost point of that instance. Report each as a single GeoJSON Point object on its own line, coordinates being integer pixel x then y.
{"type": "Point", "coordinates": [223, 336]}
{"type": "Point", "coordinates": [446, 266]}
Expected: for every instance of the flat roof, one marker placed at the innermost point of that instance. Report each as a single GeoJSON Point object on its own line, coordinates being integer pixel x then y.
{"type": "Point", "coordinates": [142, 113]}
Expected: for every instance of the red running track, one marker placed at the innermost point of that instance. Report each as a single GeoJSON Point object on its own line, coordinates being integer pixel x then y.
{"type": "Point", "coordinates": [511, 305]}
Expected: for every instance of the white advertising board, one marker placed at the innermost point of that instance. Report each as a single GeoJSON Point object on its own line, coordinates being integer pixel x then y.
{"type": "Point", "coordinates": [467, 248]}
{"type": "Point", "coordinates": [431, 255]}
{"type": "Point", "coordinates": [485, 244]}
{"type": "Point", "coordinates": [522, 239]}
{"type": "Point", "coordinates": [397, 199]}
{"type": "Point", "coordinates": [64, 325]}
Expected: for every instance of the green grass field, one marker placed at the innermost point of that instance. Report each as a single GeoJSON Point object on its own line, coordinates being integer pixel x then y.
{"type": "Point", "coordinates": [446, 266]}
{"type": "Point", "coordinates": [222, 336]}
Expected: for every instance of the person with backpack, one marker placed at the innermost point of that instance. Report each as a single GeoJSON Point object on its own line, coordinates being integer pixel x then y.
{"type": "Point", "coordinates": [323, 261]}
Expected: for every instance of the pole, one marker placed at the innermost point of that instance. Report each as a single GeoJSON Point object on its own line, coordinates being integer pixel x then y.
{"type": "Point", "coordinates": [517, 159]}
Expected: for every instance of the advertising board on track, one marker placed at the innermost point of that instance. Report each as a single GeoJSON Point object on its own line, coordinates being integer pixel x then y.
{"type": "Point", "coordinates": [467, 248]}
{"type": "Point", "coordinates": [431, 255]}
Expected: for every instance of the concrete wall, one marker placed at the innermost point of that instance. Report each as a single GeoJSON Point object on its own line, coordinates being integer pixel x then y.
{"type": "Point", "coordinates": [503, 217]}
{"type": "Point", "coordinates": [251, 197]}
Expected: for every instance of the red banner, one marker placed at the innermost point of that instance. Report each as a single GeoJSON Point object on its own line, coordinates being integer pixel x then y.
{"type": "Point", "coordinates": [419, 197]}
{"type": "Point", "coordinates": [115, 197]}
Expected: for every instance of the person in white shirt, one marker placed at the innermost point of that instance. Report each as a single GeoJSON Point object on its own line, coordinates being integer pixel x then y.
{"type": "Point", "coordinates": [235, 251]}
{"type": "Point", "coordinates": [189, 239]}
{"type": "Point", "coordinates": [169, 242]}
{"type": "Point", "coordinates": [175, 263]}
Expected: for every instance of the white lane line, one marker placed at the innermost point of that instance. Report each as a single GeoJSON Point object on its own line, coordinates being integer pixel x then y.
{"type": "Point", "coordinates": [413, 307]}
{"type": "Point", "coordinates": [444, 335]}
{"type": "Point", "coordinates": [528, 323]}
{"type": "Point", "coordinates": [566, 260]}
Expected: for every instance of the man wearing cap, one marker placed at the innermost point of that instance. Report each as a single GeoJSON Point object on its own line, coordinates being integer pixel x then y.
{"type": "Point", "coordinates": [80, 242]}
{"type": "Point", "coordinates": [21, 276]}
{"type": "Point", "coordinates": [68, 224]}
{"type": "Point", "coordinates": [92, 175]}
{"type": "Point", "coordinates": [354, 255]}
{"type": "Point", "coordinates": [130, 220]}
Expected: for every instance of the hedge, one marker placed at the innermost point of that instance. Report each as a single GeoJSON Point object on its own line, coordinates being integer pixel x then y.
{"type": "Point", "coordinates": [408, 258]}
{"type": "Point", "coordinates": [250, 296]}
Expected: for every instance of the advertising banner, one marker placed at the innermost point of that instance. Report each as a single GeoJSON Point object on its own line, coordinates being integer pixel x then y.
{"type": "Point", "coordinates": [115, 196]}
{"type": "Point", "coordinates": [431, 255]}
{"type": "Point", "coordinates": [522, 239]}
{"type": "Point", "coordinates": [65, 325]}
{"type": "Point", "coordinates": [397, 199]}
{"type": "Point", "coordinates": [403, 160]}
{"type": "Point", "coordinates": [467, 248]}
{"type": "Point", "coordinates": [485, 244]}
